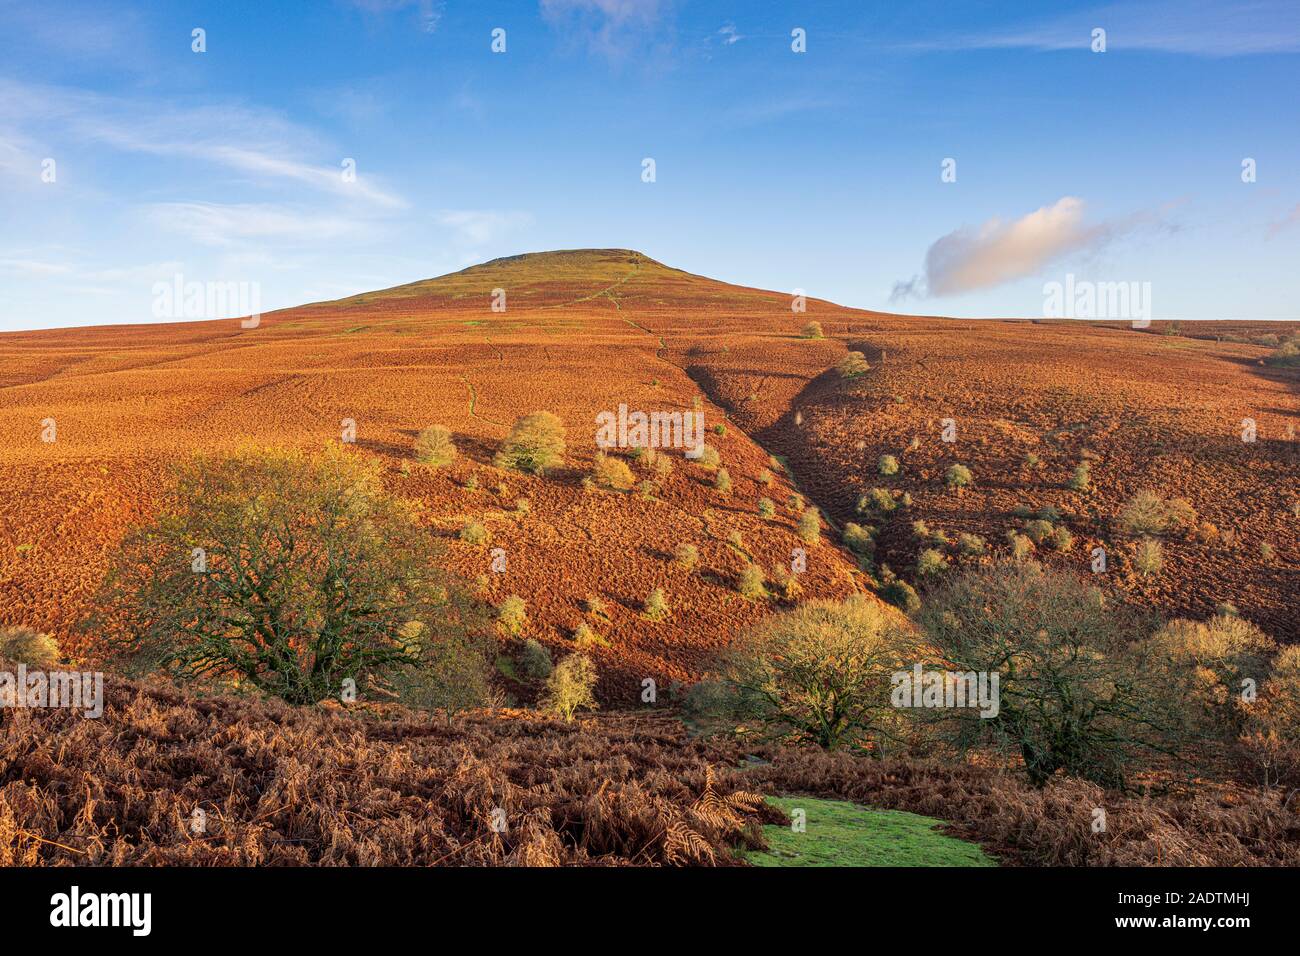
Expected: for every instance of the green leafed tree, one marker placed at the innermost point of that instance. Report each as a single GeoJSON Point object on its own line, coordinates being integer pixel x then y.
{"type": "Point", "coordinates": [292, 572]}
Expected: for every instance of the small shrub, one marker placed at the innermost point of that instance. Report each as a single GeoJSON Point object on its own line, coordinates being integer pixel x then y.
{"type": "Point", "coordinates": [766, 509]}
{"type": "Point", "coordinates": [902, 595]}
{"type": "Point", "coordinates": [813, 330]}
{"type": "Point", "coordinates": [852, 365]}
{"type": "Point", "coordinates": [786, 582]}
{"type": "Point", "coordinates": [646, 490]}
{"type": "Point", "coordinates": [585, 637]}
{"type": "Point", "coordinates": [612, 473]}
{"type": "Point", "coordinates": [719, 429]}
{"type": "Point", "coordinates": [957, 476]}
{"type": "Point", "coordinates": [1032, 461]}
{"type": "Point", "coordinates": [709, 457]}
{"type": "Point", "coordinates": [596, 607]}
{"type": "Point", "coordinates": [810, 526]}
{"type": "Point", "coordinates": [1081, 480]}
{"type": "Point", "coordinates": [534, 660]}
{"type": "Point", "coordinates": [859, 540]}
{"type": "Point", "coordinates": [1021, 546]}
{"type": "Point", "coordinates": [523, 506]}
{"type": "Point", "coordinates": [535, 444]}
{"type": "Point", "coordinates": [687, 555]}
{"type": "Point", "coordinates": [795, 503]}
{"type": "Point", "coordinates": [656, 605]}
{"type": "Point", "coordinates": [930, 563]}
{"type": "Point", "coordinates": [1038, 530]}
{"type": "Point", "coordinates": [764, 477]}
{"type": "Point", "coordinates": [570, 687]}
{"type": "Point", "coordinates": [1144, 514]}
{"type": "Point", "coordinates": [751, 583]}
{"type": "Point", "coordinates": [1149, 557]}
{"type": "Point", "coordinates": [722, 482]}
{"type": "Point", "coordinates": [877, 501]}
{"type": "Point", "coordinates": [512, 615]}
{"type": "Point", "coordinates": [971, 545]}
{"type": "Point", "coordinates": [1061, 539]}
{"type": "Point", "coordinates": [24, 645]}
{"type": "Point", "coordinates": [434, 446]}
{"type": "Point", "coordinates": [474, 533]}
{"type": "Point", "coordinates": [888, 465]}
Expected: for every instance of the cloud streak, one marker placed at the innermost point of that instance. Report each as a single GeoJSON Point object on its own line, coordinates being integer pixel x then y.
{"type": "Point", "coordinates": [1208, 28]}
{"type": "Point", "coordinates": [1000, 251]}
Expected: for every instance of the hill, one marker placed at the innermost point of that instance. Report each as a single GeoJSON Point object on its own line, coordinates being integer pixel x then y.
{"type": "Point", "coordinates": [585, 331]}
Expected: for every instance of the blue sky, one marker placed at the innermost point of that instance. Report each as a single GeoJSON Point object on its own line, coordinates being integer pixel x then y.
{"type": "Point", "coordinates": [818, 170]}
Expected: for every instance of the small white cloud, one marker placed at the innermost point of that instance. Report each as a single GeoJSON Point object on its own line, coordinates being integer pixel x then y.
{"type": "Point", "coordinates": [998, 251]}
{"type": "Point", "coordinates": [609, 27]}
{"type": "Point", "coordinates": [729, 34]}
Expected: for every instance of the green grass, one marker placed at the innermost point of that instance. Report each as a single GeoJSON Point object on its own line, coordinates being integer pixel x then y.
{"type": "Point", "coordinates": [845, 834]}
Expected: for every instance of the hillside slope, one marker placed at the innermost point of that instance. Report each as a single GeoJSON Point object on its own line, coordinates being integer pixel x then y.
{"type": "Point", "coordinates": [584, 331]}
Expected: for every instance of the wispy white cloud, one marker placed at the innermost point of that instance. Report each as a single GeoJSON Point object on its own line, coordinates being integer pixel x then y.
{"type": "Point", "coordinates": [478, 227]}
{"type": "Point", "coordinates": [609, 27]}
{"type": "Point", "coordinates": [227, 224]}
{"type": "Point", "coordinates": [254, 143]}
{"type": "Point", "coordinates": [428, 12]}
{"type": "Point", "coordinates": [729, 34]}
{"type": "Point", "coordinates": [998, 251]}
{"type": "Point", "coordinates": [1210, 28]}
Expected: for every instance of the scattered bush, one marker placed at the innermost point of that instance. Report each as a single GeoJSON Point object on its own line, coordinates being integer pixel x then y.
{"type": "Point", "coordinates": [821, 674]}
{"type": "Point", "coordinates": [535, 444]}
{"type": "Point", "coordinates": [311, 576]}
{"type": "Point", "coordinates": [1148, 557]}
{"type": "Point", "coordinates": [687, 555]}
{"type": "Point", "coordinates": [877, 501]}
{"type": "Point", "coordinates": [810, 526]}
{"type": "Point", "coordinates": [859, 540]}
{"type": "Point", "coordinates": [596, 607]}
{"type": "Point", "coordinates": [786, 582]}
{"type": "Point", "coordinates": [585, 637]}
{"type": "Point", "coordinates": [852, 365]}
{"type": "Point", "coordinates": [1147, 514]}
{"type": "Point", "coordinates": [766, 509]}
{"type": "Point", "coordinates": [23, 645]}
{"type": "Point", "coordinates": [570, 687]}
{"type": "Point", "coordinates": [722, 482]}
{"type": "Point", "coordinates": [752, 584]}
{"type": "Point", "coordinates": [1038, 530]}
{"type": "Point", "coordinates": [930, 563]}
{"type": "Point", "coordinates": [472, 532]}
{"type": "Point", "coordinates": [434, 446]}
{"type": "Point", "coordinates": [1081, 480]}
{"type": "Point", "coordinates": [612, 473]}
{"type": "Point", "coordinates": [971, 545]}
{"type": "Point", "coordinates": [535, 660]}
{"type": "Point", "coordinates": [813, 330]}
{"type": "Point", "coordinates": [512, 615]}
{"type": "Point", "coordinates": [957, 476]}
{"type": "Point", "coordinates": [1075, 692]}
{"type": "Point", "coordinates": [656, 605]}
{"type": "Point", "coordinates": [902, 595]}
{"type": "Point", "coordinates": [709, 457]}
{"type": "Point", "coordinates": [888, 465]}
{"type": "Point", "coordinates": [1021, 546]}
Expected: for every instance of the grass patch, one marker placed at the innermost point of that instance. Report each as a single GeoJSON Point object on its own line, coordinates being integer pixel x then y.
{"type": "Point", "coordinates": [845, 834]}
